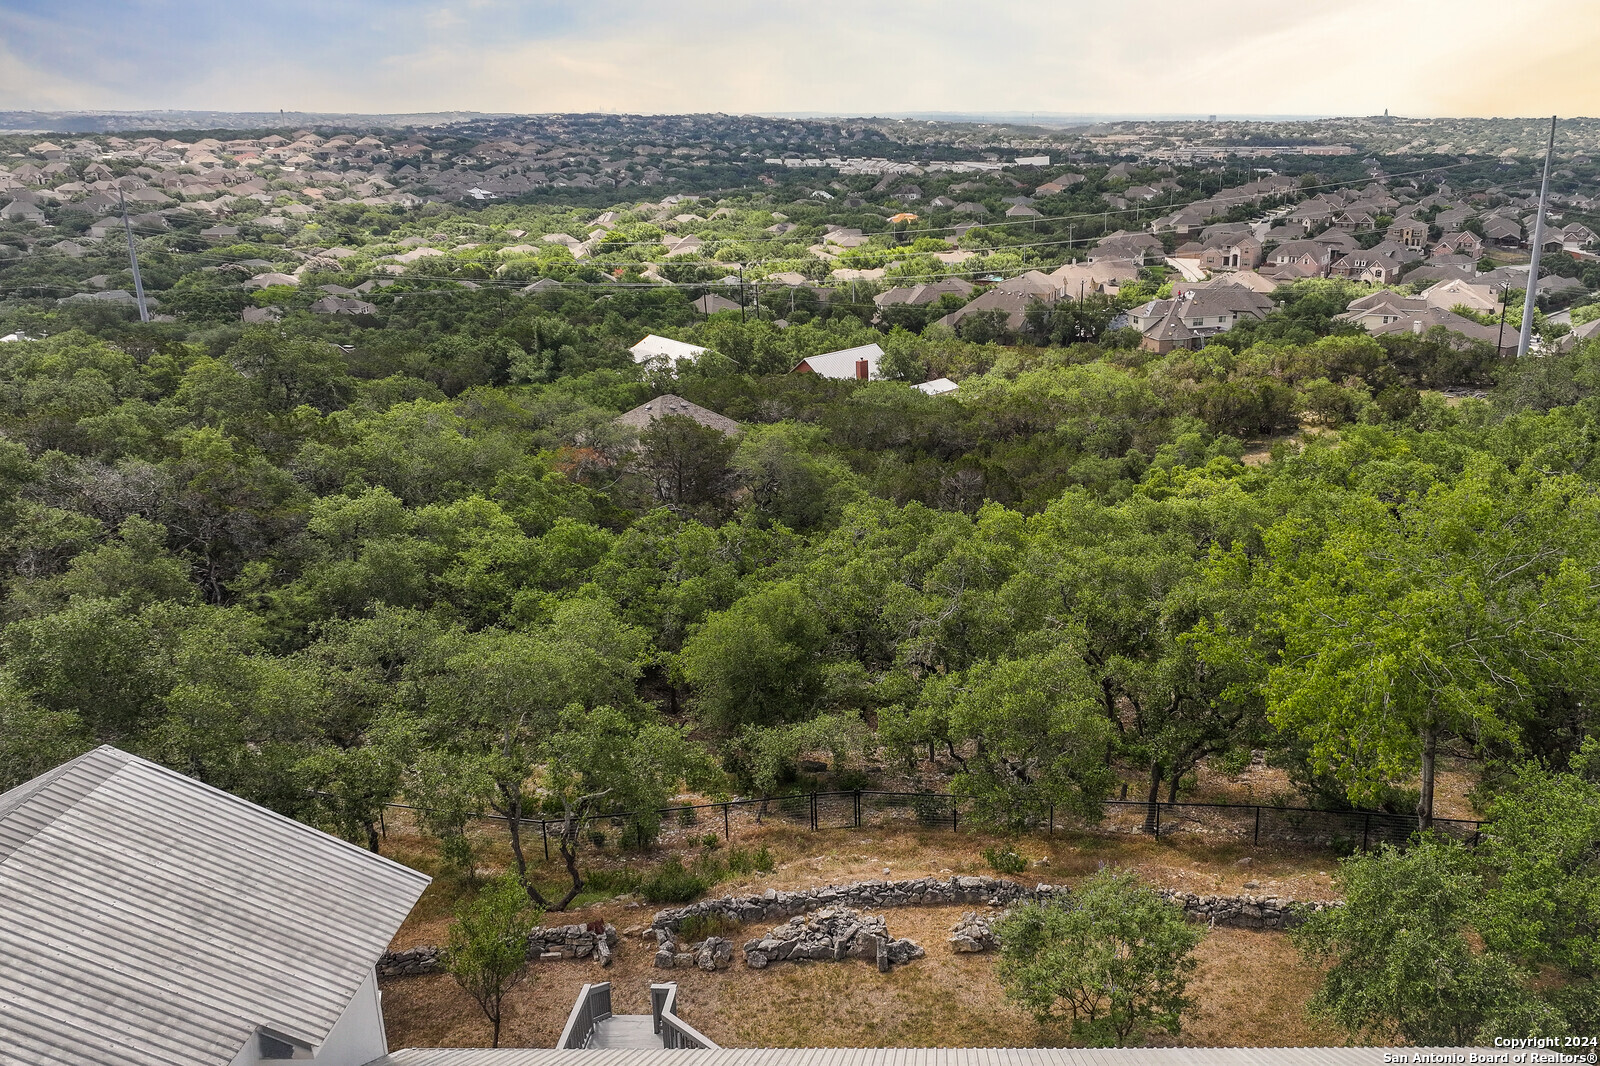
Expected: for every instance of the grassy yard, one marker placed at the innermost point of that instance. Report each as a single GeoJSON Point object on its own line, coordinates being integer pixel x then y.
{"type": "Point", "coordinates": [1251, 989]}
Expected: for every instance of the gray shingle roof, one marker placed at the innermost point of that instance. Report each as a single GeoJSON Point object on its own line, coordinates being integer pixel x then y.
{"type": "Point", "coordinates": [1343, 1056]}
{"type": "Point", "coordinates": [151, 920]}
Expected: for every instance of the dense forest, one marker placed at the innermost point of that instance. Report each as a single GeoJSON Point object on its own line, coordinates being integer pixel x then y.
{"type": "Point", "coordinates": [426, 561]}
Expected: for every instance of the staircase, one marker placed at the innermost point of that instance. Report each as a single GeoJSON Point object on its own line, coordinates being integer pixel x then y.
{"type": "Point", "coordinates": [592, 1025]}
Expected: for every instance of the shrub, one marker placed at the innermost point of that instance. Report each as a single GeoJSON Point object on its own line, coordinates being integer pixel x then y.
{"type": "Point", "coordinates": [1004, 860]}
{"type": "Point", "coordinates": [673, 883]}
{"type": "Point", "coordinates": [612, 881]}
{"type": "Point", "coordinates": [699, 926]}
{"type": "Point", "coordinates": [688, 816]}
{"type": "Point", "coordinates": [741, 861]}
{"type": "Point", "coordinates": [711, 842]}
{"type": "Point", "coordinates": [1114, 960]}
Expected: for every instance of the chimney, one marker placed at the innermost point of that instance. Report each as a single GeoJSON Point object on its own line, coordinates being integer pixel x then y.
{"type": "Point", "coordinates": [1416, 325]}
{"type": "Point", "coordinates": [861, 370]}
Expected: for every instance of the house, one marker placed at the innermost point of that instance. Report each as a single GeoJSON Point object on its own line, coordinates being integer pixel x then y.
{"type": "Point", "coordinates": [1012, 297]}
{"type": "Point", "coordinates": [21, 211]}
{"type": "Point", "coordinates": [1379, 265]}
{"type": "Point", "coordinates": [222, 933]}
{"type": "Point", "coordinates": [662, 406]}
{"type": "Point", "coordinates": [1505, 232]}
{"type": "Point", "coordinates": [1134, 248]}
{"type": "Point", "coordinates": [665, 350]}
{"type": "Point", "coordinates": [262, 281]}
{"type": "Point", "coordinates": [1300, 259]}
{"type": "Point", "coordinates": [710, 304]}
{"type": "Point", "coordinates": [859, 364]}
{"type": "Point", "coordinates": [337, 305]}
{"type": "Point", "coordinates": [1410, 232]}
{"type": "Point", "coordinates": [1076, 280]}
{"type": "Point", "coordinates": [1453, 293]}
{"type": "Point", "coordinates": [1190, 319]}
{"type": "Point", "coordinates": [1463, 243]}
{"type": "Point", "coordinates": [1225, 252]}
{"type": "Point", "coordinates": [1428, 319]}
{"type": "Point", "coordinates": [218, 234]}
{"type": "Point", "coordinates": [937, 387]}
{"type": "Point", "coordinates": [1382, 308]}
{"type": "Point", "coordinates": [1577, 236]}
{"type": "Point", "coordinates": [970, 207]}
{"type": "Point", "coordinates": [1058, 185]}
{"type": "Point", "coordinates": [926, 293]}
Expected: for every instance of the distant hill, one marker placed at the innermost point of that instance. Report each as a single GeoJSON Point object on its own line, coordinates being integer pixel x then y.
{"type": "Point", "coordinates": [119, 121]}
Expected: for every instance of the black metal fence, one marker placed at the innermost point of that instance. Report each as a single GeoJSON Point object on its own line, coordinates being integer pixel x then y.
{"type": "Point", "coordinates": [1349, 830]}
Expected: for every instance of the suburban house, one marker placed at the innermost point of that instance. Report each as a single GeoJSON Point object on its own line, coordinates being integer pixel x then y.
{"type": "Point", "coordinates": [1433, 317]}
{"type": "Point", "coordinates": [1379, 265]}
{"type": "Point", "coordinates": [1463, 243]}
{"type": "Point", "coordinates": [337, 305]}
{"type": "Point", "coordinates": [937, 387]}
{"type": "Point", "coordinates": [1224, 252]}
{"type": "Point", "coordinates": [665, 350]}
{"type": "Point", "coordinates": [1381, 308]}
{"type": "Point", "coordinates": [662, 406]}
{"type": "Point", "coordinates": [858, 364]}
{"type": "Point", "coordinates": [1454, 292]}
{"type": "Point", "coordinates": [710, 304]}
{"type": "Point", "coordinates": [929, 292]}
{"type": "Point", "coordinates": [1505, 232]}
{"type": "Point", "coordinates": [1135, 248]}
{"type": "Point", "coordinates": [151, 920]}
{"type": "Point", "coordinates": [1011, 297]}
{"type": "Point", "coordinates": [1187, 321]}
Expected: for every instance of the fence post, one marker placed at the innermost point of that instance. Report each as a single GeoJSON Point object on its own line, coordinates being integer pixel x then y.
{"type": "Point", "coordinates": [953, 815]}
{"type": "Point", "coordinates": [382, 828]}
{"type": "Point", "coordinates": [1158, 820]}
{"type": "Point", "coordinates": [858, 808]}
{"type": "Point", "coordinates": [544, 834]}
{"type": "Point", "coordinates": [1366, 824]}
{"type": "Point", "coordinates": [727, 831]}
{"type": "Point", "coordinates": [813, 809]}
{"type": "Point", "coordinates": [1257, 838]}
{"type": "Point", "coordinates": [1052, 819]}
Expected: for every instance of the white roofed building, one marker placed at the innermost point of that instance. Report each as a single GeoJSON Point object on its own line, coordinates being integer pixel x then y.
{"type": "Point", "coordinates": [859, 364]}
{"type": "Point", "coordinates": [665, 350]}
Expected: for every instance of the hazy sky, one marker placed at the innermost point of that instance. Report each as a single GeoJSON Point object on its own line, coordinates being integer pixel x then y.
{"type": "Point", "coordinates": [1413, 57]}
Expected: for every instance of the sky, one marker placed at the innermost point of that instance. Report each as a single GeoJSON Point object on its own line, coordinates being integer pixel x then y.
{"type": "Point", "coordinates": [843, 57]}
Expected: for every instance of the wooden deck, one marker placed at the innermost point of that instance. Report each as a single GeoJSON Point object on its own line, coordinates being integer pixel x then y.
{"type": "Point", "coordinates": [626, 1031]}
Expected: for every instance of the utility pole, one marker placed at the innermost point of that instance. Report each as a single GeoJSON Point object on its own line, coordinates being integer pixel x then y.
{"type": "Point", "coordinates": [1505, 303]}
{"type": "Point", "coordinates": [1532, 295]}
{"type": "Point", "coordinates": [133, 258]}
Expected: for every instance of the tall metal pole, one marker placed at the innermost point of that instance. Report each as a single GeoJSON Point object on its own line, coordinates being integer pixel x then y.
{"type": "Point", "coordinates": [1532, 295]}
{"type": "Point", "coordinates": [133, 258]}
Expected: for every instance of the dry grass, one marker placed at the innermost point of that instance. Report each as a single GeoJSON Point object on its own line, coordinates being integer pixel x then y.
{"type": "Point", "coordinates": [807, 859]}
{"type": "Point", "coordinates": [1251, 988]}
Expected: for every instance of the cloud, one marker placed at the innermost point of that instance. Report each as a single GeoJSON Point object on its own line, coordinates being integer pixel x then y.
{"type": "Point", "coordinates": [846, 56]}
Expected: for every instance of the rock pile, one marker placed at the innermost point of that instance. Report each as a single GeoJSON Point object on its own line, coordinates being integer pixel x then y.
{"type": "Point", "coordinates": [712, 953]}
{"type": "Point", "coordinates": [596, 940]}
{"type": "Point", "coordinates": [973, 933]}
{"type": "Point", "coordinates": [831, 934]}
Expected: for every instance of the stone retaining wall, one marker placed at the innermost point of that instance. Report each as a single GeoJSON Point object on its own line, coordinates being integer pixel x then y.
{"type": "Point", "coordinates": [556, 942]}
{"type": "Point", "coordinates": [1244, 911]}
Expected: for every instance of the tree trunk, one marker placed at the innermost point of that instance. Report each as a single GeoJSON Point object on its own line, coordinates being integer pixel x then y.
{"type": "Point", "coordinates": [1430, 747]}
{"type": "Point", "coordinates": [1155, 797]}
{"type": "Point", "coordinates": [372, 837]}
{"type": "Point", "coordinates": [496, 1022]}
